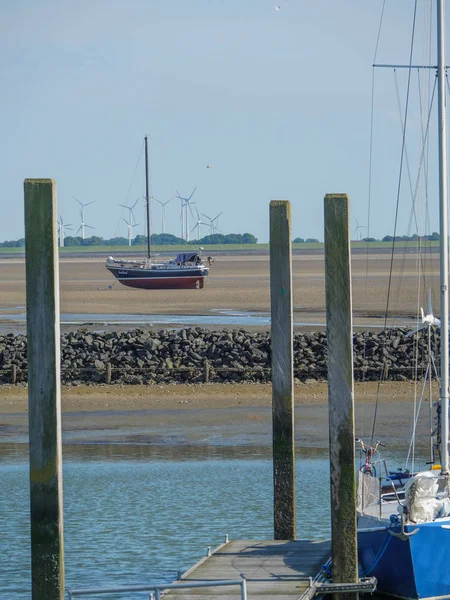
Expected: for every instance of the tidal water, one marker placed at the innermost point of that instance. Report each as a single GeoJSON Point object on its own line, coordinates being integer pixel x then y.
{"type": "Point", "coordinates": [219, 318]}
{"type": "Point", "coordinates": [133, 515]}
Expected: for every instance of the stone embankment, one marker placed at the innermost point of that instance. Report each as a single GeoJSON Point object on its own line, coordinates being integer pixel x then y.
{"type": "Point", "coordinates": [198, 355]}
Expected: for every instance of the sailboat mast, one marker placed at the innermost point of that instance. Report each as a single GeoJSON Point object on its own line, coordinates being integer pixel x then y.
{"type": "Point", "coordinates": [147, 197]}
{"type": "Point", "coordinates": [443, 232]}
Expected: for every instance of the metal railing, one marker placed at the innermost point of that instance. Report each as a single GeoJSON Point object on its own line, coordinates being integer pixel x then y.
{"type": "Point", "coordinates": [156, 589]}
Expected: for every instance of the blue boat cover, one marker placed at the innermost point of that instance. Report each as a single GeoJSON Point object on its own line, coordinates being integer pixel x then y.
{"type": "Point", "coordinates": [186, 257]}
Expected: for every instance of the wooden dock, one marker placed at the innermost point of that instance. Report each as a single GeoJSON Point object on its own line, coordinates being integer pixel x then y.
{"type": "Point", "coordinates": [282, 570]}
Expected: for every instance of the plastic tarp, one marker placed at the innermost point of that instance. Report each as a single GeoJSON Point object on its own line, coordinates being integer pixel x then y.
{"type": "Point", "coordinates": [185, 257]}
{"type": "Point", "coordinates": [424, 499]}
{"type": "Point", "coordinates": [368, 492]}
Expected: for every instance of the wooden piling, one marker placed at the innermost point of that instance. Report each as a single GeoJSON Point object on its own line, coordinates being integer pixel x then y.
{"type": "Point", "coordinates": [13, 374]}
{"type": "Point", "coordinates": [108, 373]}
{"type": "Point", "coordinates": [206, 371]}
{"type": "Point", "coordinates": [340, 390]}
{"type": "Point", "coordinates": [282, 370]}
{"type": "Point", "coordinates": [44, 399]}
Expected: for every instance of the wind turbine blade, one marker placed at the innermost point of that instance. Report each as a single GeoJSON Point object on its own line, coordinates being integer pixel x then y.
{"type": "Point", "coordinates": [125, 221]}
{"type": "Point", "coordinates": [90, 203]}
{"type": "Point", "coordinates": [78, 230]}
{"type": "Point", "coordinates": [198, 215]}
{"type": "Point", "coordinates": [77, 200]}
{"type": "Point", "coordinates": [192, 193]}
{"type": "Point", "coordinates": [209, 218]}
{"type": "Point", "coordinates": [190, 208]}
{"type": "Point", "coordinates": [193, 228]}
{"type": "Point", "coordinates": [217, 216]}
{"type": "Point", "coordinates": [90, 226]}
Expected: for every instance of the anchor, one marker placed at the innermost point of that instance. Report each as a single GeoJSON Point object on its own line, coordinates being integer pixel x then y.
{"type": "Point", "coordinates": [403, 535]}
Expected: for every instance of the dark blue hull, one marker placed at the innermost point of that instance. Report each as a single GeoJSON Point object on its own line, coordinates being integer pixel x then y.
{"type": "Point", "coordinates": [184, 278]}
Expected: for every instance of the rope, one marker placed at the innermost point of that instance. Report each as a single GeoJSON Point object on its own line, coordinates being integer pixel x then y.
{"type": "Point", "coordinates": [369, 194]}
{"type": "Point", "coordinates": [129, 189]}
{"type": "Point", "coordinates": [397, 205]}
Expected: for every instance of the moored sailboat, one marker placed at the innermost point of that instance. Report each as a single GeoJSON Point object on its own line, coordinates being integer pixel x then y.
{"type": "Point", "coordinates": [405, 543]}
{"type": "Point", "coordinates": [185, 272]}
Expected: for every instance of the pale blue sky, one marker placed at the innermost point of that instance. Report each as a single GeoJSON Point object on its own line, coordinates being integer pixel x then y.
{"type": "Point", "coordinates": [278, 102]}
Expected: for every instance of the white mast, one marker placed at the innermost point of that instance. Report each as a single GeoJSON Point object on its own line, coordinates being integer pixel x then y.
{"type": "Point", "coordinates": [443, 232]}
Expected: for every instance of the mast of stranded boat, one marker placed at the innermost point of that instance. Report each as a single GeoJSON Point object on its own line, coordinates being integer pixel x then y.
{"type": "Point", "coordinates": [443, 233]}
{"type": "Point", "coordinates": [147, 197]}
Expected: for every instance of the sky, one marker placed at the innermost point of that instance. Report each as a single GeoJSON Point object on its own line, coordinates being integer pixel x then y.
{"type": "Point", "coordinates": [277, 102]}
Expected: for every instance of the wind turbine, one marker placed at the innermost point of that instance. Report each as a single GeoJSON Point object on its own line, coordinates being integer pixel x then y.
{"type": "Point", "coordinates": [83, 224]}
{"type": "Point", "coordinates": [213, 228]}
{"type": "Point", "coordinates": [357, 229]}
{"type": "Point", "coordinates": [61, 230]}
{"type": "Point", "coordinates": [163, 218]}
{"type": "Point", "coordinates": [130, 223]}
{"type": "Point", "coordinates": [130, 226]}
{"type": "Point", "coordinates": [197, 225]}
{"type": "Point", "coordinates": [185, 204]}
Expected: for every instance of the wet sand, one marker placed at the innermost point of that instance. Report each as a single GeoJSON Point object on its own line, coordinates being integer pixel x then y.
{"type": "Point", "coordinates": [218, 415]}
{"type": "Point", "coordinates": [238, 283]}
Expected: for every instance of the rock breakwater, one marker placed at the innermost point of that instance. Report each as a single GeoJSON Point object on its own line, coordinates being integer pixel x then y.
{"type": "Point", "coordinates": [196, 355]}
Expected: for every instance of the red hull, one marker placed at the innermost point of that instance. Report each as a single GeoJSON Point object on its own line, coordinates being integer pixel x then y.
{"type": "Point", "coordinates": [165, 283]}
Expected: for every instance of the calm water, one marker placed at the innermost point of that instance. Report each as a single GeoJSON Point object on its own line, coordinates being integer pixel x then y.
{"type": "Point", "coordinates": [133, 516]}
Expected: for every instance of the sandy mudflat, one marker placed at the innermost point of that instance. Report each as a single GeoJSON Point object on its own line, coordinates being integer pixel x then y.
{"type": "Point", "coordinates": [237, 283]}
{"type": "Point", "coordinates": [227, 414]}
{"type": "Point", "coordinates": [215, 414]}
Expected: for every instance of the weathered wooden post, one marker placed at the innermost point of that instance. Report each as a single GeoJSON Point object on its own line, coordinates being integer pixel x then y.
{"type": "Point", "coordinates": [340, 390]}
{"type": "Point", "coordinates": [44, 399]}
{"type": "Point", "coordinates": [108, 373]}
{"type": "Point", "coordinates": [282, 370]}
{"type": "Point", "coordinates": [206, 370]}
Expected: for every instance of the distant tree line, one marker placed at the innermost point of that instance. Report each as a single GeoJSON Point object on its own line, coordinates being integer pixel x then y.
{"type": "Point", "coordinates": [406, 238]}
{"type": "Point", "coordinates": [161, 239]}
{"type": "Point", "coordinates": [307, 241]}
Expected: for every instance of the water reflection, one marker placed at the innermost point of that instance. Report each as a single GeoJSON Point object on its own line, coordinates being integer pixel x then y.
{"type": "Point", "coordinates": [136, 514]}
{"type": "Point", "coordinates": [18, 453]}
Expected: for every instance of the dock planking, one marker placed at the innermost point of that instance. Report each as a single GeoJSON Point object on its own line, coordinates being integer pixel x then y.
{"type": "Point", "coordinates": [273, 569]}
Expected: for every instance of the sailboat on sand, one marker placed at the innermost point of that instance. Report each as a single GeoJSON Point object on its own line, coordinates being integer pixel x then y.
{"type": "Point", "coordinates": [187, 271]}
{"type": "Point", "coordinates": [404, 538]}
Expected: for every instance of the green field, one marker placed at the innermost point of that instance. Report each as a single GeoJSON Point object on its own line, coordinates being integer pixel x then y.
{"type": "Point", "coordinates": [116, 250]}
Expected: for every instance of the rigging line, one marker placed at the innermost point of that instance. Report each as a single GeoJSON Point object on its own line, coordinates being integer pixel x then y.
{"type": "Point", "coordinates": [413, 212]}
{"type": "Point", "coordinates": [427, 257]}
{"type": "Point", "coordinates": [369, 195]}
{"type": "Point", "coordinates": [379, 31]}
{"type": "Point", "coordinates": [414, 192]}
{"type": "Point", "coordinates": [401, 162]}
{"type": "Point", "coordinates": [416, 419]}
{"type": "Point", "coordinates": [397, 206]}
{"type": "Point", "coordinates": [129, 187]}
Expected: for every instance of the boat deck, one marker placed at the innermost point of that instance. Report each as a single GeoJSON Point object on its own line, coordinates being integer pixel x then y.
{"type": "Point", "coordinates": [281, 570]}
